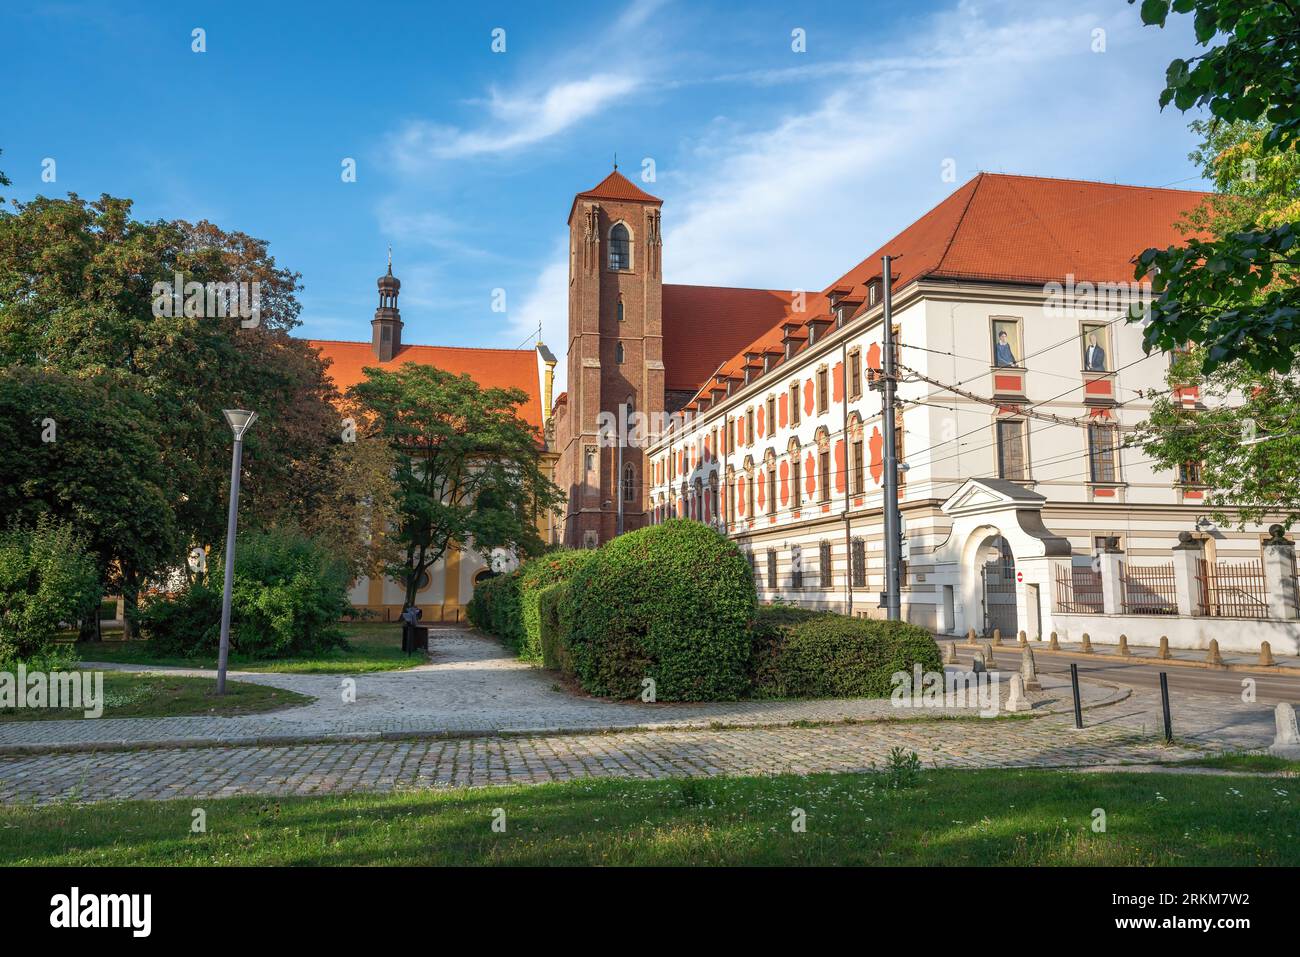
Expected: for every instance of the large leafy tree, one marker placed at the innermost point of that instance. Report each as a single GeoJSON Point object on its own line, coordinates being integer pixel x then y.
{"type": "Point", "coordinates": [1233, 292]}
{"type": "Point", "coordinates": [77, 297]}
{"type": "Point", "coordinates": [1244, 434]}
{"type": "Point", "coordinates": [86, 452]}
{"type": "Point", "coordinates": [467, 466]}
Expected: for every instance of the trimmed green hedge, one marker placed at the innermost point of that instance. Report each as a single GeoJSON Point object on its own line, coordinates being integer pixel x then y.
{"type": "Point", "coordinates": [536, 575]}
{"type": "Point", "coordinates": [555, 605]}
{"type": "Point", "coordinates": [495, 608]}
{"type": "Point", "coordinates": [672, 602]}
{"type": "Point", "coordinates": [806, 654]}
{"type": "Point", "coordinates": [507, 605]}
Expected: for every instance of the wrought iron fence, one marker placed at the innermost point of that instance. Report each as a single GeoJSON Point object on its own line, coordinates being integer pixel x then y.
{"type": "Point", "coordinates": [1149, 590]}
{"type": "Point", "coordinates": [1078, 591]}
{"type": "Point", "coordinates": [1232, 590]}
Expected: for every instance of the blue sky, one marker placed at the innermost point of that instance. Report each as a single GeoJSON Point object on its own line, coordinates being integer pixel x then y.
{"type": "Point", "coordinates": [778, 169]}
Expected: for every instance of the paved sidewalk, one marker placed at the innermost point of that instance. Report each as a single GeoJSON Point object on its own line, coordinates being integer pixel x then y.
{"type": "Point", "coordinates": [469, 762]}
{"type": "Point", "coordinates": [471, 686]}
{"type": "Point", "coordinates": [1179, 657]}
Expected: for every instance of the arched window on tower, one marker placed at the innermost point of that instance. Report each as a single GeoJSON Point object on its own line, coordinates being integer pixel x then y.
{"type": "Point", "coordinates": [620, 308]}
{"type": "Point", "coordinates": [629, 483]}
{"type": "Point", "coordinates": [620, 247]}
{"type": "Point", "coordinates": [618, 353]}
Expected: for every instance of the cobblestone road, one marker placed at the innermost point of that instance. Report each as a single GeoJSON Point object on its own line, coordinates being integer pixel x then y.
{"type": "Point", "coordinates": [389, 765]}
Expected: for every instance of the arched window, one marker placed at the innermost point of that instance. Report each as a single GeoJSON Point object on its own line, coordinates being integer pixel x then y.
{"type": "Point", "coordinates": [620, 308]}
{"type": "Point", "coordinates": [629, 482]}
{"type": "Point", "coordinates": [618, 353]}
{"type": "Point", "coordinates": [620, 248]}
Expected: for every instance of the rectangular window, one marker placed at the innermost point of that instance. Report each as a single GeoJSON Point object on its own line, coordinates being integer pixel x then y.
{"type": "Point", "coordinates": [859, 472]}
{"type": "Point", "coordinates": [1101, 453]}
{"type": "Point", "coordinates": [796, 492]}
{"type": "Point", "coordinates": [1007, 351]}
{"type": "Point", "coordinates": [749, 427]}
{"type": "Point", "coordinates": [749, 506]}
{"type": "Point", "coordinates": [731, 502]}
{"type": "Point", "coordinates": [859, 563]}
{"type": "Point", "coordinates": [731, 437]}
{"type": "Point", "coordinates": [796, 567]}
{"type": "Point", "coordinates": [794, 404]}
{"type": "Point", "coordinates": [855, 374]}
{"type": "Point", "coordinates": [823, 395]}
{"type": "Point", "coordinates": [771, 568]}
{"type": "Point", "coordinates": [771, 491]}
{"type": "Point", "coordinates": [824, 467]}
{"type": "Point", "coordinates": [771, 415]}
{"type": "Point", "coordinates": [826, 571]}
{"type": "Point", "coordinates": [1189, 473]}
{"type": "Point", "coordinates": [1011, 450]}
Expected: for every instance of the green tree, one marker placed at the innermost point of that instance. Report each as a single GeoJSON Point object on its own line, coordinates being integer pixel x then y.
{"type": "Point", "coordinates": [47, 579]}
{"type": "Point", "coordinates": [88, 452]}
{"type": "Point", "coordinates": [1235, 292]}
{"type": "Point", "coordinates": [1244, 436]}
{"type": "Point", "coordinates": [77, 295]}
{"type": "Point", "coordinates": [468, 471]}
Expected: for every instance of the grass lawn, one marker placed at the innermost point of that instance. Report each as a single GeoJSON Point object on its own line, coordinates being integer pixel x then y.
{"type": "Point", "coordinates": [375, 646]}
{"type": "Point", "coordinates": [128, 695]}
{"type": "Point", "coordinates": [1243, 762]}
{"type": "Point", "coordinates": [948, 817]}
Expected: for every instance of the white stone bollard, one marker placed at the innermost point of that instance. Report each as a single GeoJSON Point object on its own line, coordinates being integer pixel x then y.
{"type": "Point", "coordinates": [1016, 700]}
{"type": "Point", "coordinates": [1028, 670]}
{"type": "Point", "coordinates": [1286, 743]}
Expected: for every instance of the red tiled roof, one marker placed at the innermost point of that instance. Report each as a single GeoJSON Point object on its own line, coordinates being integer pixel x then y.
{"type": "Point", "coordinates": [490, 368]}
{"type": "Point", "coordinates": [1032, 229]}
{"type": "Point", "coordinates": [705, 325]}
{"type": "Point", "coordinates": [618, 186]}
{"type": "Point", "coordinates": [1001, 228]}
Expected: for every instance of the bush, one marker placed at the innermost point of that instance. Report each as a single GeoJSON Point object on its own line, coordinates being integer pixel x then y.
{"type": "Point", "coordinates": [287, 599]}
{"type": "Point", "coordinates": [555, 607]}
{"type": "Point", "coordinates": [495, 608]}
{"type": "Point", "coordinates": [535, 575]}
{"type": "Point", "coordinates": [672, 602]}
{"type": "Point", "coordinates": [806, 654]}
{"type": "Point", "coordinates": [48, 580]}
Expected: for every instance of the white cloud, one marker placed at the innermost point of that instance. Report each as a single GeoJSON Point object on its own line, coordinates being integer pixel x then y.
{"type": "Point", "coordinates": [992, 86]}
{"type": "Point", "coordinates": [514, 120]}
{"type": "Point", "coordinates": [547, 304]}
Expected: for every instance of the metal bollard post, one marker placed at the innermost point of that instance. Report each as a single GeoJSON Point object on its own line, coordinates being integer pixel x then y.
{"type": "Point", "coordinates": [1074, 682]}
{"type": "Point", "coordinates": [1164, 702]}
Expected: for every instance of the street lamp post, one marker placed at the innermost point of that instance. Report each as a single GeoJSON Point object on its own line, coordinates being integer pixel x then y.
{"type": "Point", "coordinates": [240, 422]}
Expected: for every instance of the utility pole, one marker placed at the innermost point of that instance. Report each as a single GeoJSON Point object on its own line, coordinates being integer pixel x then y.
{"type": "Point", "coordinates": [888, 413]}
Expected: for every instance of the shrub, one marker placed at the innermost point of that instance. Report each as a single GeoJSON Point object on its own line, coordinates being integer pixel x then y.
{"type": "Point", "coordinates": [287, 598]}
{"type": "Point", "coordinates": [805, 654]}
{"type": "Point", "coordinates": [48, 580]}
{"type": "Point", "coordinates": [495, 609]}
{"type": "Point", "coordinates": [555, 607]}
{"type": "Point", "coordinates": [672, 602]}
{"type": "Point", "coordinates": [535, 575]}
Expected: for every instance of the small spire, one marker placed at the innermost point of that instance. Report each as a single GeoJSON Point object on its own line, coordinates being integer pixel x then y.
{"type": "Point", "coordinates": [390, 259]}
{"type": "Point", "coordinates": [616, 159]}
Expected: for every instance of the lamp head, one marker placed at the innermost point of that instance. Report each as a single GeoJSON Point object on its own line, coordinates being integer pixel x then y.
{"type": "Point", "coordinates": [240, 421]}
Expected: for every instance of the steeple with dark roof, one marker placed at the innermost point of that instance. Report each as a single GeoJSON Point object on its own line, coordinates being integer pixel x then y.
{"type": "Point", "coordinates": [386, 327]}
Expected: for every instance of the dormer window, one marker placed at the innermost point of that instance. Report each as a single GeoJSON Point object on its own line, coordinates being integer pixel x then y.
{"type": "Point", "coordinates": [620, 248]}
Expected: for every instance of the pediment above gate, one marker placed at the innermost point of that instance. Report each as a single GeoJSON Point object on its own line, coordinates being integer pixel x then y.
{"type": "Point", "coordinates": [978, 496]}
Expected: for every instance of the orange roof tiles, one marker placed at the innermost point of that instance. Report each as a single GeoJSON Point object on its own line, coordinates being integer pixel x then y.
{"type": "Point", "coordinates": [995, 228]}
{"type": "Point", "coordinates": [705, 325]}
{"type": "Point", "coordinates": [490, 368]}
{"type": "Point", "coordinates": [618, 186]}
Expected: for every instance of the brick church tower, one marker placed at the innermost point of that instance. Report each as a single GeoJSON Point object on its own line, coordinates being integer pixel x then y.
{"type": "Point", "coordinates": [615, 353]}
